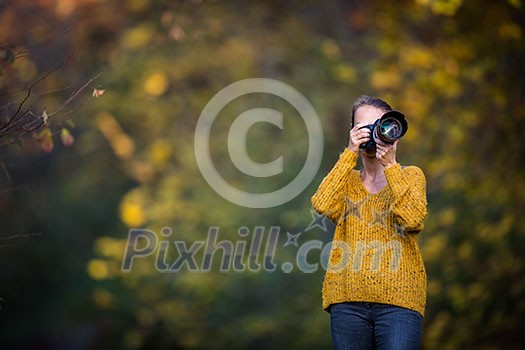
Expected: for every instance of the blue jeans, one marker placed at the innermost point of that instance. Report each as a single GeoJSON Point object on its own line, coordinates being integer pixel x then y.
{"type": "Point", "coordinates": [374, 326]}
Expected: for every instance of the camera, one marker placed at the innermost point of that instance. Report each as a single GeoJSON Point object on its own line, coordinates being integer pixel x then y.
{"type": "Point", "coordinates": [390, 127]}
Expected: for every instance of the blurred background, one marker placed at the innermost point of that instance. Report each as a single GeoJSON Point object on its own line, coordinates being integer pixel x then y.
{"type": "Point", "coordinates": [98, 105]}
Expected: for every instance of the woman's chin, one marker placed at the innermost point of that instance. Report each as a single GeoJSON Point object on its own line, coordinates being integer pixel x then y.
{"type": "Point", "coordinates": [368, 152]}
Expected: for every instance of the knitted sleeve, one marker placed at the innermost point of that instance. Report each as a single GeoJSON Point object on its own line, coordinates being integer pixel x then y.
{"type": "Point", "coordinates": [329, 198]}
{"type": "Point", "coordinates": [408, 186]}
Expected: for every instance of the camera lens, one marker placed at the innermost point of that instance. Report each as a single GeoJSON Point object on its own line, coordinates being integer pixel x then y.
{"type": "Point", "coordinates": [390, 129]}
{"type": "Point", "coordinates": [392, 126]}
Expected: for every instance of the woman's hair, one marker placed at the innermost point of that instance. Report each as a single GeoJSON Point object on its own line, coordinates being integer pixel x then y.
{"type": "Point", "coordinates": [369, 101]}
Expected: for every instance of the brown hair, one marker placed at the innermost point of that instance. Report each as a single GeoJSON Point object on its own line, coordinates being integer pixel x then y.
{"type": "Point", "coordinates": [369, 101]}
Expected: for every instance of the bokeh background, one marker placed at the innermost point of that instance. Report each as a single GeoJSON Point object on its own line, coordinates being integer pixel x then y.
{"type": "Point", "coordinates": [454, 67]}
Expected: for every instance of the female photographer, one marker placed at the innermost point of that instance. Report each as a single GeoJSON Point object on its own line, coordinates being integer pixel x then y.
{"type": "Point", "coordinates": [375, 284]}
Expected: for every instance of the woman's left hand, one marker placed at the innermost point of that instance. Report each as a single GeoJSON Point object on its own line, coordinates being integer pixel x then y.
{"type": "Point", "coordinates": [386, 154]}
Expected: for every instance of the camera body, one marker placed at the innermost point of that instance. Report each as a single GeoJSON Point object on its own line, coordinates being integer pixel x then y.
{"type": "Point", "coordinates": [390, 127]}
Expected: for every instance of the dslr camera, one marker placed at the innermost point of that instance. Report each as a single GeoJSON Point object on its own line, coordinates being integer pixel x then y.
{"type": "Point", "coordinates": [390, 127]}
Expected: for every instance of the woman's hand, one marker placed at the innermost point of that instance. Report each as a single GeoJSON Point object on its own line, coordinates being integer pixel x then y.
{"type": "Point", "coordinates": [357, 137]}
{"type": "Point", "coordinates": [386, 154]}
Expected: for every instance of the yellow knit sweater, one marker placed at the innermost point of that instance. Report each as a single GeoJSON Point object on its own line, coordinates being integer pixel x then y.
{"type": "Point", "coordinates": [374, 255]}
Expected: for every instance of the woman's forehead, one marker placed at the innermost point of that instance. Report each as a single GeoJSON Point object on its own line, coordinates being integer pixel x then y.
{"type": "Point", "coordinates": [369, 112]}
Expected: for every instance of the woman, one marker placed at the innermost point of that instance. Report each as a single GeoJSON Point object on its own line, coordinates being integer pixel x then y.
{"type": "Point", "coordinates": [375, 284]}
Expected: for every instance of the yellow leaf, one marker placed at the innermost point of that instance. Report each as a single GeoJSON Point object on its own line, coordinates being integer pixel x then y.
{"type": "Point", "coordinates": [132, 214]}
{"type": "Point", "coordinates": [46, 140]}
{"type": "Point", "coordinates": [66, 137]}
{"type": "Point", "coordinates": [156, 84]}
{"type": "Point", "coordinates": [98, 269]}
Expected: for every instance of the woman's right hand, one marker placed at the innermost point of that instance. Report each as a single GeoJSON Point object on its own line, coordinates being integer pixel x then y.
{"type": "Point", "coordinates": [357, 137]}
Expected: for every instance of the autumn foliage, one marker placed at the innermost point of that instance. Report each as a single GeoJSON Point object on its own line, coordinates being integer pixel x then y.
{"type": "Point", "coordinates": [454, 67]}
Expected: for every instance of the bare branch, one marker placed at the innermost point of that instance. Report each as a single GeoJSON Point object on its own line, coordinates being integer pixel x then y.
{"type": "Point", "coordinates": [20, 235]}
{"type": "Point", "coordinates": [75, 94]}
{"type": "Point", "coordinates": [44, 42]}
{"type": "Point", "coordinates": [28, 94]}
{"type": "Point", "coordinates": [13, 189]}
